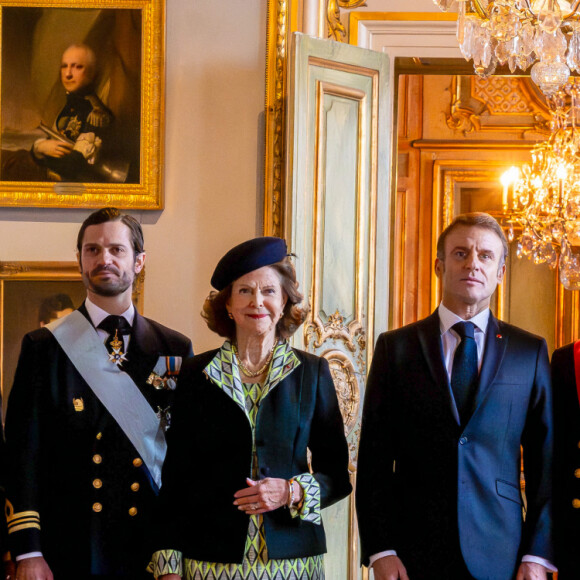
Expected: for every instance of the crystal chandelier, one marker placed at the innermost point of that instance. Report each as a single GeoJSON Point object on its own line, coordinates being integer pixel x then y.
{"type": "Point", "coordinates": [520, 33]}
{"type": "Point", "coordinates": [543, 201]}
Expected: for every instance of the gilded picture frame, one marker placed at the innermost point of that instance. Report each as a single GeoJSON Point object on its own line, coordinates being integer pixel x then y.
{"type": "Point", "coordinates": [82, 103]}
{"type": "Point", "coordinates": [31, 295]}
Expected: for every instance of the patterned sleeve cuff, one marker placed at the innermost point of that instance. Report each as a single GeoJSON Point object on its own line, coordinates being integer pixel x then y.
{"type": "Point", "coordinates": [310, 510]}
{"type": "Point", "coordinates": [166, 562]}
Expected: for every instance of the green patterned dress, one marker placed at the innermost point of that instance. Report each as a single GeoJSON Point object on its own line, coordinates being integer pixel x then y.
{"type": "Point", "coordinates": [223, 371]}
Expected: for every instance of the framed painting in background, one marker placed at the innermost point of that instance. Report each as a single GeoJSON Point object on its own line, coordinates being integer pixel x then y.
{"type": "Point", "coordinates": [32, 294]}
{"type": "Point", "coordinates": [81, 103]}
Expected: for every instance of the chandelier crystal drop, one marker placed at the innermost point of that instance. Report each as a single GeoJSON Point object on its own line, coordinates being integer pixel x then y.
{"type": "Point", "coordinates": [543, 200]}
{"type": "Point", "coordinates": [520, 33]}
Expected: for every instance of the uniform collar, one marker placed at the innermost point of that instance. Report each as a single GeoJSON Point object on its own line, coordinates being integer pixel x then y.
{"type": "Point", "coordinates": [97, 314]}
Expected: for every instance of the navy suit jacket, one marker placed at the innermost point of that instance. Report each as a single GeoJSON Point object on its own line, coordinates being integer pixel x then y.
{"type": "Point", "coordinates": [566, 464]}
{"type": "Point", "coordinates": [426, 487]}
{"type": "Point", "coordinates": [74, 466]}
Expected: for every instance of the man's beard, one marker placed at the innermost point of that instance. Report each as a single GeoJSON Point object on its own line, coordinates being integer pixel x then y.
{"type": "Point", "coordinates": [110, 287]}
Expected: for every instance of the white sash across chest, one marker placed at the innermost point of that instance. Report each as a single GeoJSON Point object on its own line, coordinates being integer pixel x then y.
{"type": "Point", "coordinates": [113, 387]}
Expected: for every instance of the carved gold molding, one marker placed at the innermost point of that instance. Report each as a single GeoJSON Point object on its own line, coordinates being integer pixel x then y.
{"type": "Point", "coordinates": [346, 385]}
{"type": "Point", "coordinates": [334, 328]}
{"type": "Point", "coordinates": [501, 104]}
{"type": "Point", "coordinates": [336, 29]}
{"type": "Point", "coordinates": [276, 54]}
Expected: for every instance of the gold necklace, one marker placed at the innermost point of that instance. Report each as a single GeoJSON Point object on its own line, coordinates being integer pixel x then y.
{"type": "Point", "coordinates": [248, 372]}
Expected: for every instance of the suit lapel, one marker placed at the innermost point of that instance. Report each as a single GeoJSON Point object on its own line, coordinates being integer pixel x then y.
{"type": "Point", "coordinates": [496, 340]}
{"type": "Point", "coordinates": [429, 331]}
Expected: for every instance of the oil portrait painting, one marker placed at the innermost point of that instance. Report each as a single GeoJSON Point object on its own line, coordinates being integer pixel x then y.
{"type": "Point", "coordinates": [81, 104]}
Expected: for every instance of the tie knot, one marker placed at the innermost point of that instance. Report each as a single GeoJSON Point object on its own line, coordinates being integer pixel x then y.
{"type": "Point", "coordinates": [464, 329]}
{"type": "Point", "coordinates": [115, 323]}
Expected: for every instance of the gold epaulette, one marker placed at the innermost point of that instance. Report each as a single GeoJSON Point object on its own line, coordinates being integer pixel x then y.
{"type": "Point", "coordinates": [21, 520]}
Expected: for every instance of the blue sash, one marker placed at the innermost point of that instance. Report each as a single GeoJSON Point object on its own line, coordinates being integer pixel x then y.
{"type": "Point", "coordinates": [113, 387]}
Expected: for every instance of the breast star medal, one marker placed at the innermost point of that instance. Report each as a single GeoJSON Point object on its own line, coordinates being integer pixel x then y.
{"type": "Point", "coordinates": [117, 356]}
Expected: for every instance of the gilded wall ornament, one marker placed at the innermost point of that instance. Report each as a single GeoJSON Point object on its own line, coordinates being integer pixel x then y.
{"type": "Point", "coordinates": [336, 29]}
{"type": "Point", "coordinates": [12, 268]}
{"type": "Point", "coordinates": [334, 328]}
{"type": "Point", "coordinates": [346, 385]}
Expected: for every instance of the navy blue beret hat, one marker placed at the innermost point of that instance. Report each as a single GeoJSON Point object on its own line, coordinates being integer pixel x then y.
{"type": "Point", "coordinates": [247, 257]}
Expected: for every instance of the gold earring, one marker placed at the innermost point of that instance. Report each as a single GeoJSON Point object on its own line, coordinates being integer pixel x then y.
{"type": "Point", "coordinates": [231, 315]}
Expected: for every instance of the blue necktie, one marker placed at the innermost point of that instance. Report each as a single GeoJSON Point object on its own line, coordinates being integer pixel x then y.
{"type": "Point", "coordinates": [464, 373]}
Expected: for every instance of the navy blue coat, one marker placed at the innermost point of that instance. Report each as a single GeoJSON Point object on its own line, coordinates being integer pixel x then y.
{"type": "Point", "coordinates": [74, 467]}
{"type": "Point", "coordinates": [428, 488]}
{"type": "Point", "coordinates": [209, 457]}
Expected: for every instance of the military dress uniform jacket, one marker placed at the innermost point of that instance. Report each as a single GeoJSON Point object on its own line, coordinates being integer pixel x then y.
{"type": "Point", "coordinates": [567, 464]}
{"type": "Point", "coordinates": [83, 116]}
{"type": "Point", "coordinates": [209, 457]}
{"type": "Point", "coordinates": [432, 490]}
{"type": "Point", "coordinates": [78, 491]}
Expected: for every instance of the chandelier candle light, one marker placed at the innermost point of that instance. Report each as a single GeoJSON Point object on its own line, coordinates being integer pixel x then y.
{"type": "Point", "coordinates": [545, 196]}
{"type": "Point", "coordinates": [520, 33]}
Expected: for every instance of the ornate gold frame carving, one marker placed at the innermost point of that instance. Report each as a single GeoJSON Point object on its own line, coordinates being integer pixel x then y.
{"type": "Point", "coordinates": [148, 193]}
{"type": "Point", "coordinates": [336, 29]}
{"type": "Point", "coordinates": [274, 171]}
{"type": "Point", "coordinates": [346, 385]}
{"type": "Point", "coordinates": [334, 328]}
{"type": "Point", "coordinates": [470, 113]}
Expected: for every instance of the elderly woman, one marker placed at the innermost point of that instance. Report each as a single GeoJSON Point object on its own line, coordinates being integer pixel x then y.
{"type": "Point", "coordinates": [239, 499]}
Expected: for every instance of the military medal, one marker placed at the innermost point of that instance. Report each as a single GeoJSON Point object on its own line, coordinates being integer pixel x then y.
{"type": "Point", "coordinates": [165, 372]}
{"type": "Point", "coordinates": [117, 356]}
{"type": "Point", "coordinates": [156, 380]}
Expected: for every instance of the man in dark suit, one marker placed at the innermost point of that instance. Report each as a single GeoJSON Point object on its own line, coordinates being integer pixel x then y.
{"type": "Point", "coordinates": [446, 410]}
{"type": "Point", "coordinates": [566, 381]}
{"type": "Point", "coordinates": [86, 419]}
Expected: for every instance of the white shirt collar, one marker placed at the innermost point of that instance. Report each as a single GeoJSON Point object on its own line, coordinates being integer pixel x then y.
{"type": "Point", "coordinates": [97, 314]}
{"type": "Point", "coordinates": [447, 319]}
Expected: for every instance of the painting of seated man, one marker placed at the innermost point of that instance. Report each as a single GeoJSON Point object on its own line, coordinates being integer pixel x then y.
{"type": "Point", "coordinates": [71, 95]}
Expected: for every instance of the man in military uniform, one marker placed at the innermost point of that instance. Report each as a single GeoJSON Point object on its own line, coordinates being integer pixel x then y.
{"type": "Point", "coordinates": [566, 386]}
{"type": "Point", "coordinates": [86, 420]}
{"type": "Point", "coordinates": [73, 147]}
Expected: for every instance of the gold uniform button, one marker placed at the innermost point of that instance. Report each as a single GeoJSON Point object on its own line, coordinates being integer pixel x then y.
{"type": "Point", "coordinates": [576, 503]}
{"type": "Point", "coordinates": [133, 511]}
{"type": "Point", "coordinates": [577, 473]}
{"type": "Point", "coordinates": [138, 462]}
{"type": "Point", "coordinates": [135, 486]}
{"type": "Point", "coordinates": [97, 507]}
{"type": "Point", "coordinates": [97, 459]}
{"type": "Point", "coordinates": [99, 435]}
{"type": "Point", "coordinates": [97, 483]}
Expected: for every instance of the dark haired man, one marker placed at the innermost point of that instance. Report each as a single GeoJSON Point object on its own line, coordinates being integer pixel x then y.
{"type": "Point", "coordinates": [86, 420]}
{"type": "Point", "coordinates": [449, 401]}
